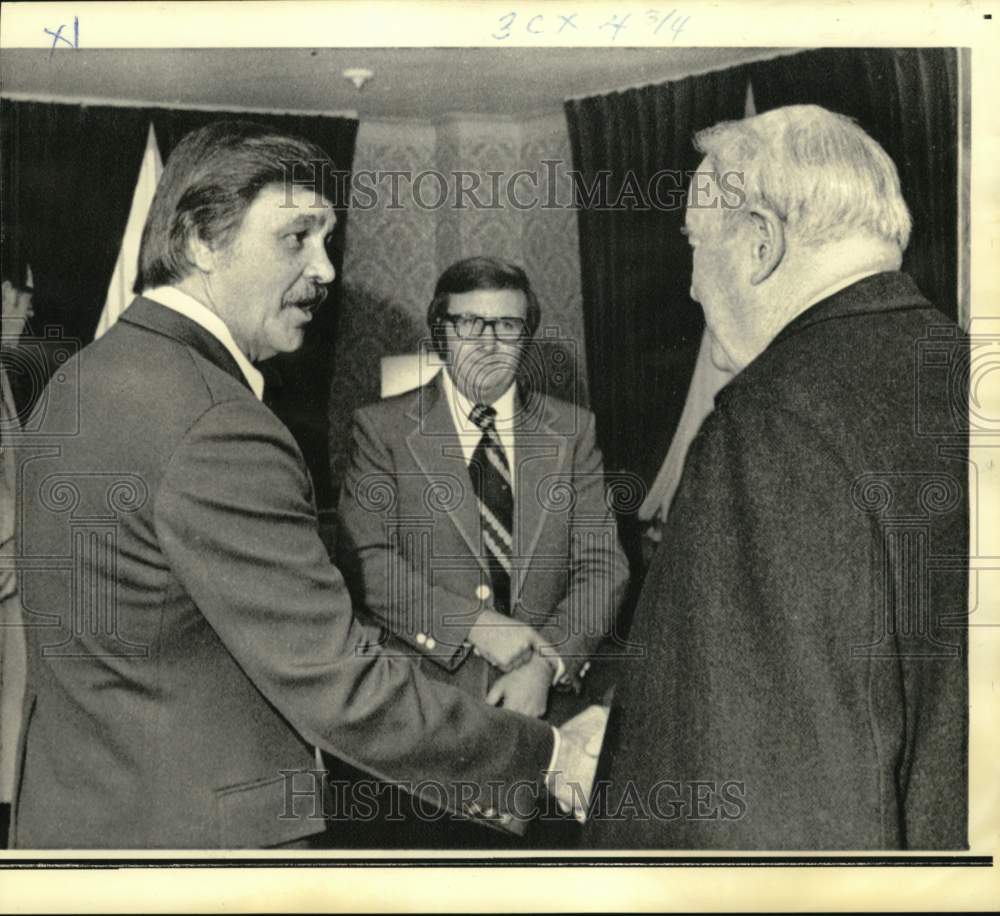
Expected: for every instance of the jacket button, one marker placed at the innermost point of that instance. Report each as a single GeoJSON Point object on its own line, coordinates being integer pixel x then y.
{"type": "Point", "coordinates": [483, 592]}
{"type": "Point", "coordinates": [431, 643]}
{"type": "Point", "coordinates": [421, 639]}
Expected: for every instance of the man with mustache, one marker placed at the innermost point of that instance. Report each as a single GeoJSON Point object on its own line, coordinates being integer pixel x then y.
{"type": "Point", "coordinates": [200, 646]}
{"type": "Point", "coordinates": [496, 561]}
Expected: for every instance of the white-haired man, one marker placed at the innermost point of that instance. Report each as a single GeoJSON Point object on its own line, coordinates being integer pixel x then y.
{"type": "Point", "coordinates": [803, 618]}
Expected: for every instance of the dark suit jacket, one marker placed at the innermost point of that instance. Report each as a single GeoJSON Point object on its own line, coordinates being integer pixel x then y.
{"type": "Point", "coordinates": [805, 616]}
{"type": "Point", "coordinates": [192, 641]}
{"type": "Point", "coordinates": [410, 545]}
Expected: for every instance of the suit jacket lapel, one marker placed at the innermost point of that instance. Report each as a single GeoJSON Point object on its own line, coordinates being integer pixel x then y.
{"type": "Point", "coordinates": [145, 313]}
{"type": "Point", "coordinates": [434, 444]}
{"type": "Point", "coordinates": [540, 455]}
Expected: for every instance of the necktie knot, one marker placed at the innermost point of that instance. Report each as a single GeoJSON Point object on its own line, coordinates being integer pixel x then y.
{"type": "Point", "coordinates": [483, 415]}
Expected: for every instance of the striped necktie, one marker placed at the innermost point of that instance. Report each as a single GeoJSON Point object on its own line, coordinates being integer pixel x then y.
{"type": "Point", "coordinates": [491, 483]}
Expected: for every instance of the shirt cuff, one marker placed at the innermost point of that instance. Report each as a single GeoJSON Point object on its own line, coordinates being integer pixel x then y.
{"type": "Point", "coordinates": [553, 658]}
{"type": "Point", "coordinates": [555, 748]}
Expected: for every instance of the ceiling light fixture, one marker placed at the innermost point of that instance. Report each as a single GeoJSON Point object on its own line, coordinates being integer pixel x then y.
{"type": "Point", "coordinates": [358, 75]}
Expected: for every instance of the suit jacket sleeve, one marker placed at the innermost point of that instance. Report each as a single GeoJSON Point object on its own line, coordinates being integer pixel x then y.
{"type": "Point", "coordinates": [598, 568]}
{"type": "Point", "coordinates": [388, 584]}
{"type": "Point", "coordinates": [235, 519]}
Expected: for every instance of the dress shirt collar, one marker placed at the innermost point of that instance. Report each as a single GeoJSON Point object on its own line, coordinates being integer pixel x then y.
{"type": "Point", "coordinates": [468, 433]}
{"type": "Point", "coordinates": [189, 307]}
{"type": "Point", "coordinates": [462, 407]}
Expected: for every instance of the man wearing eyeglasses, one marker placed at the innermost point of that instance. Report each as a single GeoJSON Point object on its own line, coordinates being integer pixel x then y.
{"type": "Point", "coordinates": [474, 523]}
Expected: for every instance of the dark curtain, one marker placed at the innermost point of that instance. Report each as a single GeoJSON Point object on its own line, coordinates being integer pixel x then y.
{"type": "Point", "coordinates": [297, 384]}
{"type": "Point", "coordinates": [69, 173]}
{"type": "Point", "coordinates": [907, 99]}
{"type": "Point", "coordinates": [642, 328]}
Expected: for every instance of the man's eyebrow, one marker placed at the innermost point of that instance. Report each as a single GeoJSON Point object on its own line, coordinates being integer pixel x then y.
{"type": "Point", "coordinates": [309, 220]}
{"type": "Point", "coordinates": [304, 219]}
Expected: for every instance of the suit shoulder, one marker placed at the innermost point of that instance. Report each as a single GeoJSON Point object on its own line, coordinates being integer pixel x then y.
{"type": "Point", "coordinates": [141, 361]}
{"type": "Point", "coordinates": [853, 360]}
{"type": "Point", "coordinates": [160, 387]}
{"type": "Point", "coordinates": [565, 416]}
{"type": "Point", "coordinates": [390, 411]}
{"type": "Point", "coordinates": [568, 408]}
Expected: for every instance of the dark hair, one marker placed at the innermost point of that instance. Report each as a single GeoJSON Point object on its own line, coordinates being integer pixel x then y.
{"type": "Point", "coordinates": [479, 273]}
{"type": "Point", "coordinates": [211, 178]}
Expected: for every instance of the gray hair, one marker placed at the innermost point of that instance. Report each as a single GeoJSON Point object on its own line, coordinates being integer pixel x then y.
{"type": "Point", "coordinates": [820, 172]}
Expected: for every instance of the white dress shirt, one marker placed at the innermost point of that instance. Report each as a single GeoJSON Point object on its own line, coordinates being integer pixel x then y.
{"type": "Point", "coordinates": [189, 307]}
{"type": "Point", "coordinates": [469, 434]}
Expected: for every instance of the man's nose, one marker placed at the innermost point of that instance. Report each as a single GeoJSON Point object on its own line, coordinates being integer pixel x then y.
{"type": "Point", "coordinates": [489, 337]}
{"type": "Point", "coordinates": [320, 269]}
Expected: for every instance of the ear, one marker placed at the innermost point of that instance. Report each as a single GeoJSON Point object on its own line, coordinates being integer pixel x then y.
{"type": "Point", "coordinates": [768, 240]}
{"type": "Point", "coordinates": [199, 252]}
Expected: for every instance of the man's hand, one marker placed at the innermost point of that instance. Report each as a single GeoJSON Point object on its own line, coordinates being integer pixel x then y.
{"type": "Point", "coordinates": [505, 643]}
{"type": "Point", "coordinates": [525, 689]}
{"type": "Point", "coordinates": [571, 780]}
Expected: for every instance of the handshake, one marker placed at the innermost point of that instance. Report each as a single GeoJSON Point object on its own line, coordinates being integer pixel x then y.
{"type": "Point", "coordinates": [530, 667]}
{"type": "Point", "coordinates": [571, 779]}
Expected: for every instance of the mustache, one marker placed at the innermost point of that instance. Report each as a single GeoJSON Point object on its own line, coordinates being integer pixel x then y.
{"type": "Point", "coordinates": [308, 302]}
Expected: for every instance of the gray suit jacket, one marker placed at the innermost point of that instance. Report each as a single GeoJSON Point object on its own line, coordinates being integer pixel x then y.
{"type": "Point", "coordinates": [410, 546]}
{"type": "Point", "coordinates": [189, 640]}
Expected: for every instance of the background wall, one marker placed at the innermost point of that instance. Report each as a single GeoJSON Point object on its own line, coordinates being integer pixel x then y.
{"type": "Point", "coordinates": [396, 249]}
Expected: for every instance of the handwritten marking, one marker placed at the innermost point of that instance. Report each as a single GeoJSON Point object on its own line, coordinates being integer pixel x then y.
{"type": "Point", "coordinates": [569, 20]}
{"type": "Point", "coordinates": [510, 17]}
{"type": "Point", "coordinates": [661, 21]}
{"type": "Point", "coordinates": [616, 25]}
{"type": "Point", "coordinates": [57, 36]}
{"type": "Point", "coordinates": [651, 23]}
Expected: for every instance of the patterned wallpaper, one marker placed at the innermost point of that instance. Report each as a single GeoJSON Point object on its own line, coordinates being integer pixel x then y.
{"type": "Point", "coordinates": [552, 254]}
{"type": "Point", "coordinates": [389, 250]}
{"type": "Point", "coordinates": [396, 249]}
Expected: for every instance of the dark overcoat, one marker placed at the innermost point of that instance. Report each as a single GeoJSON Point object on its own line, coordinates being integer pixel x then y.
{"type": "Point", "coordinates": [804, 684]}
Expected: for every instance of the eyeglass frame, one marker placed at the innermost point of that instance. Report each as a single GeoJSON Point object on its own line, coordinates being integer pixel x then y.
{"type": "Point", "coordinates": [491, 323]}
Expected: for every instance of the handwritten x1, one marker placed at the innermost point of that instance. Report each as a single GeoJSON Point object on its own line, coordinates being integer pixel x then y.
{"type": "Point", "coordinates": [57, 36]}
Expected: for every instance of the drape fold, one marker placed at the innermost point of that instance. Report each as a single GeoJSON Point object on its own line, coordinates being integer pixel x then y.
{"type": "Point", "coordinates": [69, 172]}
{"type": "Point", "coordinates": [642, 328]}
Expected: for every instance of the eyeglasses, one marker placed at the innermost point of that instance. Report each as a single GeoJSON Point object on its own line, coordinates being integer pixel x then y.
{"type": "Point", "coordinates": [473, 326]}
